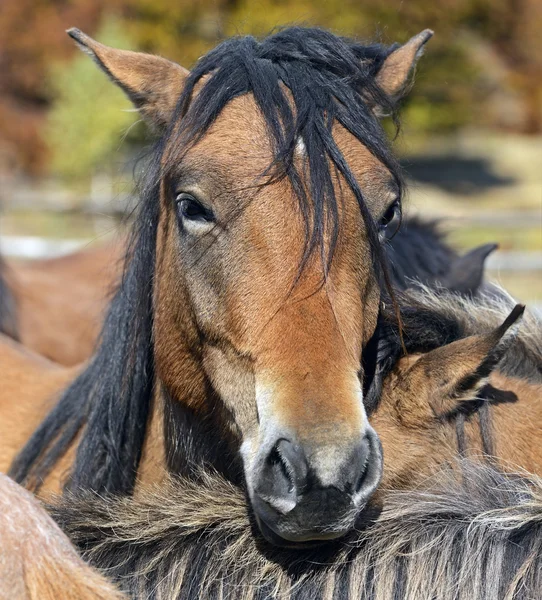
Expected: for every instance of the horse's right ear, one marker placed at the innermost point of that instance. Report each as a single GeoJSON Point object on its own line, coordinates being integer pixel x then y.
{"type": "Point", "coordinates": [395, 72]}
{"type": "Point", "coordinates": [152, 83]}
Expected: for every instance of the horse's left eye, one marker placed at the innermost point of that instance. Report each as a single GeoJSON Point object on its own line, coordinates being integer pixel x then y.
{"type": "Point", "coordinates": [390, 221]}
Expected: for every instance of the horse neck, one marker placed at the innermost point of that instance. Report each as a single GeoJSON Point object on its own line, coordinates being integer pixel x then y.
{"type": "Point", "coordinates": [183, 440]}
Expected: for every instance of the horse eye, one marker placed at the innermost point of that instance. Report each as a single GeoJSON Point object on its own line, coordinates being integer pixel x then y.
{"type": "Point", "coordinates": [191, 210]}
{"type": "Point", "coordinates": [391, 220]}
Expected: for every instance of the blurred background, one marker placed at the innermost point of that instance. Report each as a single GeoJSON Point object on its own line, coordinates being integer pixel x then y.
{"type": "Point", "coordinates": [471, 138]}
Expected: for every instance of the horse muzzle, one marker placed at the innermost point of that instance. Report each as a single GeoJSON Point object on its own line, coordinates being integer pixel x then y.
{"type": "Point", "coordinates": [294, 505]}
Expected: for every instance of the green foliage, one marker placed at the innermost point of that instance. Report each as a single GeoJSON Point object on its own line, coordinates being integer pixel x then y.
{"type": "Point", "coordinates": [89, 116]}
{"type": "Point", "coordinates": [484, 65]}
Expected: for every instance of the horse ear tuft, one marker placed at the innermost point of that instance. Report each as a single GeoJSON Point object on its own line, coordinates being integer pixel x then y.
{"type": "Point", "coordinates": [152, 83]}
{"type": "Point", "coordinates": [394, 75]}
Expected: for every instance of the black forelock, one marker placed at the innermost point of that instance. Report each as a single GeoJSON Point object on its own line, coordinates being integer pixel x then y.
{"type": "Point", "coordinates": [329, 80]}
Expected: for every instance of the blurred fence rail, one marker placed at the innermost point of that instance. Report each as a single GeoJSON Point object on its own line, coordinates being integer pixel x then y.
{"type": "Point", "coordinates": [29, 247]}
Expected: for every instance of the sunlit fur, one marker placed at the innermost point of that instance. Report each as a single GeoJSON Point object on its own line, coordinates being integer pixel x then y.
{"type": "Point", "coordinates": [38, 561]}
{"type": "Point", "coordinates": [441, 398]}
{"type": "Point", "coordinates": [486, 312]}
{"type": "Point", "coordinates": [433, 317]}
{"type": "Point", "coordinates": [473, 538]}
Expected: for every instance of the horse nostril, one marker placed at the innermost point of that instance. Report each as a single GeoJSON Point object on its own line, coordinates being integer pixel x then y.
{"type": "Point", "coordinates": [284, 473]}
{"type": "Point", "coordinates": [359, 465]}
{"type": "Point", "coordinates": [282, 469]}
{"type": "Point", "coordinates": [367, 466]}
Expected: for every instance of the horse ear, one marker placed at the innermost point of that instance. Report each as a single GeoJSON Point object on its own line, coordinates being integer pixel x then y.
{"type": "Point", "coordinates": [152, 83]}
{"type": "Point", "coordinates": [394, 74]}
{"type": "Point", "coordinates": [467, 272]}
{"type": "Point", "coordinates": [453, 374]}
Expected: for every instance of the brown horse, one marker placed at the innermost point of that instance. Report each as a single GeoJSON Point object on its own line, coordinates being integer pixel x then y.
{"type": "Point", "coordinates": [31, 385]}
{"type": "Point", "coordinates": [480, 395]}
{"type": "Point", "coordinates": [253, 281]}
{"type": "Point", "coordinates": [38, 561]}
{"type": "Point", "coordinates": [57, 305]}
{"type": "Point", "coordinates": [449, 528]}
{"type": "Point", "coordinates": [425, 401]}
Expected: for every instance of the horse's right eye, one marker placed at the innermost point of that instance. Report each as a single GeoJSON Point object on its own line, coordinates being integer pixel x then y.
{"type": "Point", "coordinates": [190, 209]}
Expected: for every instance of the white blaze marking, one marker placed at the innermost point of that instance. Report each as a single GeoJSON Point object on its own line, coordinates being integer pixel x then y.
{"type": "Point", "coordinates": [300, 147]}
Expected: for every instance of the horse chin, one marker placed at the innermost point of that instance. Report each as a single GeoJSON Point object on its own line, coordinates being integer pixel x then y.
{"type": "Point", "coordinates": [364, 519]}
{"type": "Point", "coordinates": [272, 537]}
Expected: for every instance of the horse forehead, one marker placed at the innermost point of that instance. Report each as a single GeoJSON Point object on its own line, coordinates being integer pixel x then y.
{"type": "Point", "coordinates": [239, 139]}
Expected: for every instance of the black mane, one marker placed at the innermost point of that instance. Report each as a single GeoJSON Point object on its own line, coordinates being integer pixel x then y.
{"type": "Point", "coordinates": [330, 79]}
{"type": "Point", "coordinates": [474, 535]}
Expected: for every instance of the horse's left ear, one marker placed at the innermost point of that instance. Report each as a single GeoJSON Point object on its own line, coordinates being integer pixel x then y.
{"type": "Point", "coordinates": [467, 272]}
{"type": "Point", "coordinates": [152, 83]}
{"type": "Point", "coordinates": [394, 75]}
{"type": "Point", "coordinates": [439, 382]}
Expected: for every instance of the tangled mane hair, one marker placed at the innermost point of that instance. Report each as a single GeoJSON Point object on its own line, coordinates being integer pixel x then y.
{"type": "Point", "coordinates": [432, 316]}
{"type": "Point", "coordinates": [474, 534]}
{"type": "Point", "coordinates": [329, 79]}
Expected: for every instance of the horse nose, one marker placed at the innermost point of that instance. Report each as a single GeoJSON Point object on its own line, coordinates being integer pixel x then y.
{"type": "Point", "coordinates": [294, 503]}
{"type": "Point", "coordinates": [283, 477]}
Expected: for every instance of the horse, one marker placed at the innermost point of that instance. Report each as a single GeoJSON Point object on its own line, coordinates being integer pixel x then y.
{"type": "Point", "coordinates": [194, 537]}
{"type": "Point", "coordinates": [252, 284]}
{"type": "Point", "coordinates": [37, 383]}
{"type": "Point", "coordinates": [41, 563]}
{"type": "Point", "coordinates": [55, 306]}
{"type": "Point", "coordinates": [470, 384]}
{"type": "Point", "coordinates": [456, 520]}
{"type": "Point", "coordinates": [31, 385]}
